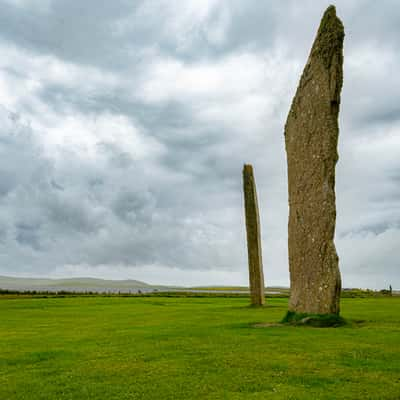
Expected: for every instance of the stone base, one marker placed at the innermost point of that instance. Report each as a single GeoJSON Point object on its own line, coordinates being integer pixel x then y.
{"type": "Point", "coordinates": [315, 320]}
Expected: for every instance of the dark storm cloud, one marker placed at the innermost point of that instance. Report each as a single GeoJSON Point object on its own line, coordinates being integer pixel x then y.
{"type": "Point", "coordinates": [81, 32]}
{"type": "Point", "coordinates": [124, 126]}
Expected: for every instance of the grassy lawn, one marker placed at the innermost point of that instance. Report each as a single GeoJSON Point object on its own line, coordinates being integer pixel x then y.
{"type": "Point", "coordinates": [193, 348]}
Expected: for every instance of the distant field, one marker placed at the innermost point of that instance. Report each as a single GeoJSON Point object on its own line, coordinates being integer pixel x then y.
{"type": "Point", "coordinates": [272, 290]}
{"type": "Point", "coordinates": [193, 348]}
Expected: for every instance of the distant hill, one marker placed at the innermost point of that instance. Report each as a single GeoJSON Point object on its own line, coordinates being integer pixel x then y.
{"type": "Point", "coordinates": [113, 286]}
{"type": "Point", "coordinates": [72, 284]}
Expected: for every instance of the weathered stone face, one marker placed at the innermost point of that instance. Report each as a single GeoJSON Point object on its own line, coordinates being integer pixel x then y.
{"type": "Point", "coordinates": [256, 274]}
{"type": "Point", "coordinates": [311, 137]}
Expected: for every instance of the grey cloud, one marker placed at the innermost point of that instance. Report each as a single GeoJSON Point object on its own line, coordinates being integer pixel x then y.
{"type": "Point", "coordinates": [28, 235]}
{"type": "Point", "coordinates": [388, 115]}
{"type": "Point", "coordinates": [81, 32]}
{"type": "Point", "coordinates": [111, 221]}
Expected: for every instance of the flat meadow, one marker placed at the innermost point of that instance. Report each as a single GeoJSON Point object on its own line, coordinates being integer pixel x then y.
{"type": "Point", "coordinates": [193, 348]}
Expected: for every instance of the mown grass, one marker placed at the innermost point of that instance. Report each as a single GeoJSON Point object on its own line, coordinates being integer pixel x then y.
{"type": "Point", "coordinates": [193, 348]}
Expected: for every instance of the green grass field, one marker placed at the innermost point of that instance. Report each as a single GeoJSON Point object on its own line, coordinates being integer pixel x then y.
{"type": "Point", "coordinates": [193, 348]}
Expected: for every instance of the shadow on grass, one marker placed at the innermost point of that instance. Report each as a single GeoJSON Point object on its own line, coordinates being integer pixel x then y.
{"type": "Point", "coordinates": [313, 321]}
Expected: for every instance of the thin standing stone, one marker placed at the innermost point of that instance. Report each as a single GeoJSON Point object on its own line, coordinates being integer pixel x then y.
{"type": "Point", "coordinates": [311, 137]}
{"type": "Point", "coordinates": [253, 237]}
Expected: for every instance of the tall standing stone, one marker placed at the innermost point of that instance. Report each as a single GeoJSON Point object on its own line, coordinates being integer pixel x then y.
{"type": "Point", "coordinates": [253, 237]}
{"type": "Point", "coordinates": [311, 137]}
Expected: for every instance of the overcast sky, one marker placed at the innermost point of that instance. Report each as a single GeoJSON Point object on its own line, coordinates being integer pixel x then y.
{"type": "Point", "coordinates": [124, 126]}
